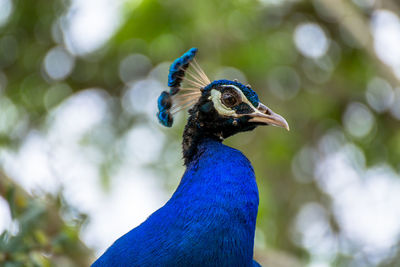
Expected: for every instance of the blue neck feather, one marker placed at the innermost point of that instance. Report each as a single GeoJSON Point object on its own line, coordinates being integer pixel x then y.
{"type": "Point", "coordinates": [209, 221]}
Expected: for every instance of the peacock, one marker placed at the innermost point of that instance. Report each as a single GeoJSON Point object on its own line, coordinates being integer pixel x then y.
{"type": "Point", "coordinates": [210, 219]}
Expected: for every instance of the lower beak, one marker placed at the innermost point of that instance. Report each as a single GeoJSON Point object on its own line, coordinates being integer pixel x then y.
{"type": "Point", "coordinates": [266, 116]}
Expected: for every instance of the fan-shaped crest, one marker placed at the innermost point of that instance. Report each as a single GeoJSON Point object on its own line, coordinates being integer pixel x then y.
{"type": "Point", "coordinates": [185, 85]}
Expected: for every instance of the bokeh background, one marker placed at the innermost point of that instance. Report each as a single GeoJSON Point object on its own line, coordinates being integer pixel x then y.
{"type": "Point", "coordinates": [83, 158]}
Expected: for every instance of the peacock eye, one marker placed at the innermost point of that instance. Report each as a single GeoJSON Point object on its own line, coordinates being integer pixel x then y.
{"type": "Point", "coordinates": [230, 99]}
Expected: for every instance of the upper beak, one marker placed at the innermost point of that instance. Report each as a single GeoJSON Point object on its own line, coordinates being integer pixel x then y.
{"type": "Point", "coordinates": [267, 116]}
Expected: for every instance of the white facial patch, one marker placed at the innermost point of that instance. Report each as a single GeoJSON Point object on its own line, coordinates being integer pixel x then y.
{"type": "Point", "coordinates": [215, 97]}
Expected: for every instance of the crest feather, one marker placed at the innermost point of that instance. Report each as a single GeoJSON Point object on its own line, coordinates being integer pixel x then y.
{"type": "Point", "coordinates": [181, 97]}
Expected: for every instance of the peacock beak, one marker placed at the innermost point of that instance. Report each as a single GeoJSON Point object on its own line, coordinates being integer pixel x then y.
{"type": "Point", "coordinates": [266, 116]}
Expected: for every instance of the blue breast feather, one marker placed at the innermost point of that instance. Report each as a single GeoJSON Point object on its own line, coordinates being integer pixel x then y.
{"type": "Point", "coordinates": [209, 220]}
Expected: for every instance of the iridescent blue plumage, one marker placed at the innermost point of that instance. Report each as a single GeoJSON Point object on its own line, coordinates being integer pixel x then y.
{"type": "Point", "coordinates": [175, 77]}
{"type": "Point", "coordinates": [164, 104]}
{"type": "Point", "coordinates": [209, 221]}
{"type": "Point", "coordinates": [178, 68]}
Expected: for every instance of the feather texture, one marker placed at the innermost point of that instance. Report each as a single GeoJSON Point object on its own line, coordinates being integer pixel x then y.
{"type": "Point", "coordinates": [181, 97]}
{"type": "Point", "coordinates": [209, 221]}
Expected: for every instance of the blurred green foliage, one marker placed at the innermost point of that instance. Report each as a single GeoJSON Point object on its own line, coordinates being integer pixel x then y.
{"type": "Point", "coordinates": [255, 37]}
{"type": "Point", "coordinates": [43, 238]}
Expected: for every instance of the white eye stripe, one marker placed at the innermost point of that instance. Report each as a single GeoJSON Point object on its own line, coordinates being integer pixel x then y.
{"type": "Point", "coordinates": [215, 97]}
{"type": "Point", "coordinates": [244, 98]}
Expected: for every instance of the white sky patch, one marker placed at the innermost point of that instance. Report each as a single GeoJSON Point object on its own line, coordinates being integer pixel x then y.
{"type": "Point", "coordinates": [8, 116]}
{"type": "Point", "coordinates": [318, 263]}
{"type": "Point", "coordinates": [90, 23]}
{"type": "Point", "coordinates": [5, 215]}
{"type": "Point", "coordinates": [6, 8]}
{"type": "Point", "coordinates": [379, 94]}
{"type": "Point", "coordinates": [365, 3]}
{"type": "Point", "coordinates": [78, 114]}
{"type": "Point", "coordinates": [140, 97]}
{"type": "Point", "coordinates": [316, 235]}
{"type": "Point", "coordinates": [311, 40]}
{"type": "Point", "coordinates": [366, 201]}
{"type": "Point", "coordinates": [395, 108]}
{"type": "Point", "coordinates": [76, 165]}
{"type": "Point", "coordinates": [142, 144]}
{"type": "Point", "coordinates": [30, 166]}
{"type": "Point", "coordinates": [135, 195]}
{"type": "Point", "coordinates": [358, 120]}
{"type": "Point", "coordinates": [376, 192]}
{"type": "Point", "coordinates": [58, 63]}
{"type": "Point", "coordinates": [54, 159]}
{"type": "Point", "coordinates": [385, 27]}
{"type": "Point", "coordinates": [276, 2]}
{"type": "Point", "coordinates": [48, 161]}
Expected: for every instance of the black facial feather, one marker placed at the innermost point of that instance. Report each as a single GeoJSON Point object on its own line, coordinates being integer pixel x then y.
{"type": "Point", "coordinates": [237, 107]}
{"type": "Point", "coordinates": [242, 108]}
{"type": "Point", "coordinates": [205, 121]}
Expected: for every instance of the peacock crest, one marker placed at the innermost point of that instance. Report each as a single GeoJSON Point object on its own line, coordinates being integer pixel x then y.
{"type": "Point", "coordinates": [181, 97]}
{"type": "Point", "coordinates": [222, 103]}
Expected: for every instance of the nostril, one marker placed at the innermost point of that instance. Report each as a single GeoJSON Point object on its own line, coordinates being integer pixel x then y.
{"type": "Point", "coordinates": [262, 108]}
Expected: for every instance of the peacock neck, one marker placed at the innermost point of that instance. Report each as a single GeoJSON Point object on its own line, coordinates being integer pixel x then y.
{"type": "Point", "coordinates": [218, 173]}
{"type": "Point", "coordinates": [220, 186]}
{"type": "Point", "coordinates": [219, 170]}
{"type": "Point", "coordinates": [194, 135]}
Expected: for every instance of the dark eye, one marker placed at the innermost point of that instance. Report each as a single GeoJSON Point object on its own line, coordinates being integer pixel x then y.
{"type": "Point", "coordinates": [229, 99]}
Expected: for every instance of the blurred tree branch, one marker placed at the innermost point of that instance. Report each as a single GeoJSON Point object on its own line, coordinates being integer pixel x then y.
{"type": "Point", "coordinates": [353, 22]}
{"type": "Point", "coordinates": [41, 231]}
{"type": "Point", "coordinates": [253, 38]}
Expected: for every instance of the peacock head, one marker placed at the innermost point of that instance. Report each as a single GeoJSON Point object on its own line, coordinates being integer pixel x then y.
{"type": "Point", "coordinates": [217, 109]}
